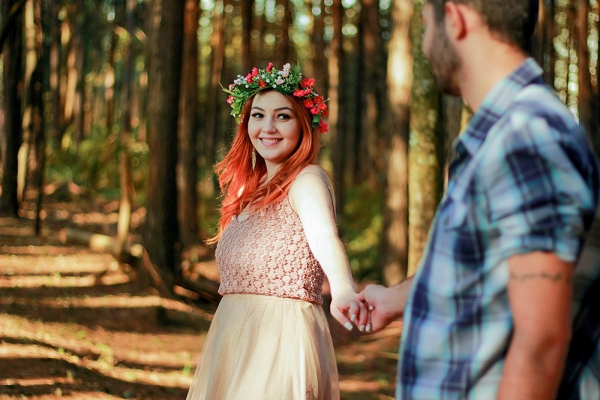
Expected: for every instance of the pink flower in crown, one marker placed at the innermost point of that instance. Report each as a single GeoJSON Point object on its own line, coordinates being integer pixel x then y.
{"type": "Point", "coordinates": [254, 71]}
{"type": "Point", "coordinates": [231, 86]}
{"type": "Point", "coordinates": [269, 67]}
{"type": "Point", "coordinates": [249, 78]}
{"type": "Point", "coordinates": [230, 100]}
{"type": "Point", "coordinates": [280, 81]}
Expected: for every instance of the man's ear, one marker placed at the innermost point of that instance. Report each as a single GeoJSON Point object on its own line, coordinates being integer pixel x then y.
{"type": "Point", "coordinates": [455, 20]}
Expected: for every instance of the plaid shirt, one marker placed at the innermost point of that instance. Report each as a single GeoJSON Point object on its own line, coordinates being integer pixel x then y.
{"type": "Point", "coordinates": [523, 179]}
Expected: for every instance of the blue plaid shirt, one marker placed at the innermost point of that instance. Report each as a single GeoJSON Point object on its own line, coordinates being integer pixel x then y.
{"type": "Point", "coordinates": [523, 179]}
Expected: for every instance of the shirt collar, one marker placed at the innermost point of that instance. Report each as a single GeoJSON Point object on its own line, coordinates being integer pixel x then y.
{"type": "Point", "coordinates": [496, 103]}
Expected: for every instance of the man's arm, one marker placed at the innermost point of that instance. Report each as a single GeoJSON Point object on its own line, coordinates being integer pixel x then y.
{"type": "Point", "coordinates": [539, 291]}
{"type": "Point", "coordinates": [385, 304]}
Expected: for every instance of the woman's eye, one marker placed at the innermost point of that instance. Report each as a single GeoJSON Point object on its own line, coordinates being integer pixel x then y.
{"type": "Point", "coordinates": [256, 115]}
{"type": "Point", "coordinates": [283, 116]}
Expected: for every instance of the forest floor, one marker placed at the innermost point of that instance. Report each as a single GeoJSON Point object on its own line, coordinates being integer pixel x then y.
{"type": "Point", "coordinates": [74, 324]}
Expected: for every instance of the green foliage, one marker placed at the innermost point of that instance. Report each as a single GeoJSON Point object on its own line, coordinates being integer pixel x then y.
{"type": "Point", "coordinates": [93, 164]}
{"type": "Point", "coordinates": [361, 229]}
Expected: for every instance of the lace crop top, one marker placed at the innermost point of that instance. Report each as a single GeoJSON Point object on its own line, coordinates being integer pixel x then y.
{"type": "Point", "coordinates": [268, 254]}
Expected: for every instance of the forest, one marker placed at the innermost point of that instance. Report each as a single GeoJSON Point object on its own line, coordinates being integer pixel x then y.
{"type": "Point", "coordinates": [122, 100]}
{"type": "Point", "coordinates": [112, 117]}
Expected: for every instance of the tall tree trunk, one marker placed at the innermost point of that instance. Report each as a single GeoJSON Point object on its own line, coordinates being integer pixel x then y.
{"type": "Point", "coordinates": [588, 102]}
{"type": "Point", "coordinates": [187, 166]}
{"type": "Point", "coordinates": [161, 233]}
{"type": "Point", "coordinates": [247, 54]}
{"type": "Point", "coordinates": [56, 127]}
{"type": "Point", "coordinates": [126, 181]}
{"type": "Point", "coordinates": [109, 85]}
{"type": "Point", "coordinates": [394, 243]}
{"type": "Point", "coordinates": [549, 53]}
{"type": "Point", "coordinates": [425, 176]}
{"type": "Point", "coordinates": [336, 95]}
{"type": "Point", "coordinates": [286, 50]}
{"type": "Point", "coordinates": [367, 109]}
{"type": "Point", "coordinates": [450, 126]}
{"type": "Point", "coordinates": [11, 140]}
{"type": "Point", "coordinates": [37, 140]}
{"type": "Point", "coordinates": [213, 94]}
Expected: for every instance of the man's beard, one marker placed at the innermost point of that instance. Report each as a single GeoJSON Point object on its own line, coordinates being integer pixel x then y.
{"type": "Point", "coordinates": [445, 62]}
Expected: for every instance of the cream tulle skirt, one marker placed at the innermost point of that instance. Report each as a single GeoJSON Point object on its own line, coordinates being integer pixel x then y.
{"type": "Point", "coordinates": [266, 348]}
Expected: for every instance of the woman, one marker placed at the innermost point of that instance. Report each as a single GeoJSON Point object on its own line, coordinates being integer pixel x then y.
{"type": "Point", "coordinates": [277, 239]}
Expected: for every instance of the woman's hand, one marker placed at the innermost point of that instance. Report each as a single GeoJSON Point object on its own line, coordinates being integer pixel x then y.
{"type": "Point", "coordinates": [346, 308]}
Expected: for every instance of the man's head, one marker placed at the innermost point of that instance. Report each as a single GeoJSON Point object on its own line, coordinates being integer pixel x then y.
{"type": "Point", "coordinates": [510, 21]}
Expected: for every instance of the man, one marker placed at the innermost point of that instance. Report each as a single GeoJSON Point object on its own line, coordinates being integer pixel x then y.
{"type": "Point", "coordinates": [488, 314]}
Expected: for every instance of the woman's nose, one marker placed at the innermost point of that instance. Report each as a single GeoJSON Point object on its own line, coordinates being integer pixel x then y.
{"type": "Point", "coordinates": [269, 125]}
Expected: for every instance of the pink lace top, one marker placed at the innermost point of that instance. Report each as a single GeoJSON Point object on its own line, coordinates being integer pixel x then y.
{"type": "Point", "coordinates": [268, 254]}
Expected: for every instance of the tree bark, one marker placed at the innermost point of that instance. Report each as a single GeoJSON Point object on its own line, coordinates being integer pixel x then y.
{"type": "Point", "coordinates": [588, 102]}
{"type": "Point", "coordinates": [213, 99]}
{"type": "Point", "coordinates": [247, 54]}
{"type": "Point", "coordinates": [394, 243]}
{"type": "Point", "coordinates": [187, 167]}
{"type": "Point", "coordinates": [425, 144]}
{"type": "Point", "coordinates": [11, 139]}
{"type": "Point", "coordinates": [337, 98]}
{"type": "Point", "coordinates": [125, 179]}
{"type": "Point", "coordinates": [161, 233]}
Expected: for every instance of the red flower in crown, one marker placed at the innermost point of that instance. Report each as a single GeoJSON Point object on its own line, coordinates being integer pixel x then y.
{"type": "Point", "coordinates": [323, 127]}
{"type": "Point", "coordinates": [308, 103]}
{"type": "Point", "coordinates": [269, 67]}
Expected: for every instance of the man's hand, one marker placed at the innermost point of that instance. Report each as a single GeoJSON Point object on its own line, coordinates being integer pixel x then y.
{"type": "Point", "coordinates": [385, 304]}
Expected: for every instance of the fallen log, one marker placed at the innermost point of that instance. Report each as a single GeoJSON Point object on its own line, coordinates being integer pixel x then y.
{"type": "Point", "coordinates": [137, 256]}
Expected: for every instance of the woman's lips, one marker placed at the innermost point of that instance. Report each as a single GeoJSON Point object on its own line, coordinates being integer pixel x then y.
{"type": "Point", "coordinates": [269, 142]}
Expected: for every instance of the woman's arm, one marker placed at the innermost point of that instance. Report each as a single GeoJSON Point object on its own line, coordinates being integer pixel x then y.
{"type": "Point", "coordinates": [311, 197]}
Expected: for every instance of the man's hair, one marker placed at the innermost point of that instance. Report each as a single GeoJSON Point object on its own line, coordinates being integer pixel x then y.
{"type": "Point", "coordinates": [511, 21]}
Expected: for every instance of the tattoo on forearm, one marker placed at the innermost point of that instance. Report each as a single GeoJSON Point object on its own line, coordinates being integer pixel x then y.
{"type": "Point", "coordinates": [558, 277]}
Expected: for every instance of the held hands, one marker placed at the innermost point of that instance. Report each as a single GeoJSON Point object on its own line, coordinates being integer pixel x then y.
{"type": "Point", "coordinates": [346, 308]}
{"type": "Point", "coordinates": [383, 304]}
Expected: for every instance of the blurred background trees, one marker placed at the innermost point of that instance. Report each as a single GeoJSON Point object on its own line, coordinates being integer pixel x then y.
{"type": "Point", "coordinates": [121, 99]}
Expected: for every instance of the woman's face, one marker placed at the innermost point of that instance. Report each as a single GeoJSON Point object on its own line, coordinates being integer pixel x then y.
{"type": "Point", "coordinates": [273, 128]}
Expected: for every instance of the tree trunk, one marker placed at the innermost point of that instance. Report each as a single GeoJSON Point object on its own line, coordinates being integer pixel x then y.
{"type": "Point", "coordinates": [247, 54]}
{"type": "Point", "coordinates": [367, 109]}
{"type": "Point", "coordinates": [588, 102]}
{"type": "Point", "coordinates": [425, 176]}
{"type": "Point", "coordinates": [336, 102]}
{"type": "Point", "coordinates": [548, 42]}
{"type": "Point", "coordinates": [213, 93]}
{"type": "Point", "coordinates": [161, 233]}
{"type": "Point", "coordinates": [394, 242]}
{"type": "Point", "coordinates": [286, 52]}
{"type": "Point", "coordinates": [125, 179]}
{"type": "Point", "coordinates": [55, 56]}
{"type": "Point", "coordinates": [186, 166]}
{"type": "Point", "coordinates": [11, 139]}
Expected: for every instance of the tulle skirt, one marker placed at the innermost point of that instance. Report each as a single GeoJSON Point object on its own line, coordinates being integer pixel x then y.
{"type": "Point", "coordinates": [266, 348]}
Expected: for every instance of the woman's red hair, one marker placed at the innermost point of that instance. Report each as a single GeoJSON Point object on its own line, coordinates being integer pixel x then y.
{"type": "Point", "coordinates": [240, 185]}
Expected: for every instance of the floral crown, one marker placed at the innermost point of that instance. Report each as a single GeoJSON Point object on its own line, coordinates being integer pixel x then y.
{"type": "Point", "coordinates": [286, 81]}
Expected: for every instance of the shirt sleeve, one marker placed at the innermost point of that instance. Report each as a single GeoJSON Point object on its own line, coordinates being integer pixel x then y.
{"type": "Point", "coordinates": [536, 196]}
